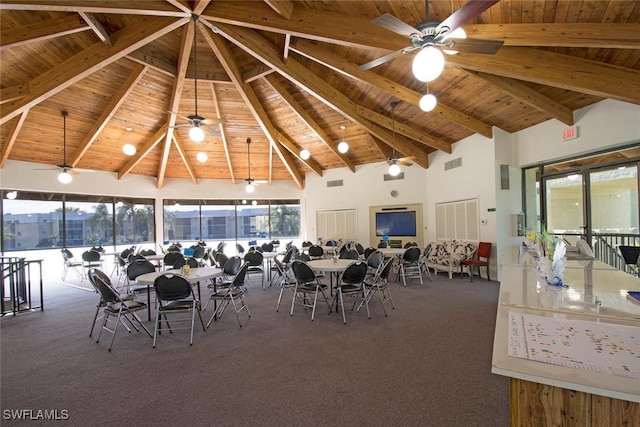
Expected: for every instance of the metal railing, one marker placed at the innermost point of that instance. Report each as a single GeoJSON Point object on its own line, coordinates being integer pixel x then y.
{"type": "Point", "coordinates": [16, 291]}
{"type": "Point", "coordinates": [605, 248]}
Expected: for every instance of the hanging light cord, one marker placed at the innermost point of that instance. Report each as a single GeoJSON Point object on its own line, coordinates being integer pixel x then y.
{"type": "Point", "coordinates": [64, 138]}
{"type": "Point", "coordinates": [393, 129]}
{"type": "Point", "coordinates": [249, 159]}
{"type": "Point", "coordinates": [195, 62]}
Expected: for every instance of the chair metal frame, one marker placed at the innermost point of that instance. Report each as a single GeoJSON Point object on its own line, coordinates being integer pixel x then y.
{"type": "Point", "coordinates": [483, 253]}
{"type": "Point", "coordinates": [409, 266]}
{"type": "Point", "coordinates": [233, 293]}
{"type": "Point", "coordinates": [70, 263]}
{"type": "Point", "coordinates": [113, 304]}
{"type": "Point", "coordinates": [352, 284]}
{"type": "Point", "coordinates": [174, 294]}
{"type": "Point", "coordinates": [379, 284]}
{"type": "Point", "coordinates": [307, 283]}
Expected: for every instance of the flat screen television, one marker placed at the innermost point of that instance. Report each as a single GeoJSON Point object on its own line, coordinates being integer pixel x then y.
{"type": "Point", "coordinates": [396, 223]}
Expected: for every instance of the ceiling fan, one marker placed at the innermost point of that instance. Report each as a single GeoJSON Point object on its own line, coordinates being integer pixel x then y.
{"type": "Point", "coordinates": [66, 170]}
{"type": "Point", "coordinates": [430, 37]}
{"type": "Point", "coordinates": [195, 121]}
{"type": "Point", "coordinates": [251, 183]}
{"type": "Point", "coordinates": [394, 161]}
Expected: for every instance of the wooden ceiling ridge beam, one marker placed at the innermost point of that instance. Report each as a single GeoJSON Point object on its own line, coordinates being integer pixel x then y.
{"type": "Point", "coordinates": [252, 101]}
{"type": "Point", "coordinates": [141, 154]}
{"type": "Point", "coordinates": [556, 70]}
{"type": "Point", "coordinates": [351, 70]}
{"type": "Point", "coordinates": [306, 23]}
{"type": "Point", "coordinates": [294, 71]}
{"type": "Point", "coordinates": [97, 27]}
{"type": "Point", "coordinates": [568, 34]}
{"type": "Point", "coordinates": [223, 133]}
{"type": "Point", "coordinates": [99, 7]}
{"type": "Point", "coordinates": [277, 86]}
{"type": "Point", "coordinates": [88, 61]}
{"type": "Point", "coordinates": [12, 93]}
{"type": "Point", "coordinates": [11, 139]}
{"type": "Point", "coordinates": [188, 35]}
{"type": "Point", "coordinates": [41, 31]}
{"type": "Point", "coordinates": [185, 160]}
{"type": "Point", "coordinates": [529, 96]}
{"type": "Point", "coordinates": [108, 112]}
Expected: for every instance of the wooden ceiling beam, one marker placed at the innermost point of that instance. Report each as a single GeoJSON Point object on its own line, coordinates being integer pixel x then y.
{"type": "Point", "coordinates": [174, 102]}
{"type": "Point", "coordinates": [294, 150]}
{"type": "Point", "coordinates": [156, 8]}
{"type": "Point", "coordinates": [12, 93]}
{"type": "Point", "coordinates": [108, 112]}
{"type": "Point", "coordinates": [518, 90]}
{"type": "Point", "coordinates": [97, 27]}
{"type": "Point", "coordinates": [254, 44]}
{"type": "Point", "coordinates": [306, 23]}
{"type": "Point", "coordinates": [11, 139]}
{"type": "Point", "coordinates": [225, 56]}
{"type": "Point", "coordinates": [306, 118]}
{"type": "Point", "coordinates": [187, 163]}
{"type": "Point", "coordinates": [557, 70]}
{"type": "Point", "coordinates": [89, 61]}
{"type": "Point", "coordinates": [10, 38]}
{"type": "Point", "coordinates": [605, 36]}
{"type": "Point", "coordinates": [351, 70]}
{"type": "Point", "coordinates": [283, 8]}
{"type": "Point", "coordinates": [141, 154]}
{"type": "Point", "coordinates": [223, 133]}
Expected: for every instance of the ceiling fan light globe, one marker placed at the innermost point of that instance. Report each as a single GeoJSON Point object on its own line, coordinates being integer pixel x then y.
{"type": "Point", "coordinates": [428, 102]}
{"type": "Point", "coordinates": [129, 149]}
{"type": "Point", "coordinates": [428, 64]}
{"type": "Point", "coordinates": [11, 195]}
{"type": "Point", "coordinates": [305, 154]}
{"type": "Point", "coordinates": [343, 147]}
{"type": "Point", "coordinates": [196, 134]}
{"type": "Point", "coordinates": [65, 177]}
{"type": "Point", "coordinates": [202, 157]}
{"type": "Point", "coordinates": [250, 188]}
{"type": "Point", "coordinates": [394, 170]}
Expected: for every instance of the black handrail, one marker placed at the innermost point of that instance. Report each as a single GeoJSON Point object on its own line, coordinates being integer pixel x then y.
{"type": "Point", "coordinates": [16, 290]}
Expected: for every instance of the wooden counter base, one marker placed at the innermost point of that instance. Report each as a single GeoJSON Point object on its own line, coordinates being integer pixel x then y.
{"type": "Point", "coordinates": [534, 404]}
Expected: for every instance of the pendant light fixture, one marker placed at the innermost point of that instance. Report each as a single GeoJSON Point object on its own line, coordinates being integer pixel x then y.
{"type": "Point", "coordinates": [64, 177]}
{"type": "Point", "coordinates": [249, 187]}
{"type": "Point", "coordinates": [343, 146]}
{"type": "Point", "coordinates": [196, 134]}
{"type": "Point", "coordinates": [394, 167]}
{"type": "Point", "coordinates": [428, 102]}
{"type": "Point", "coordinates": [129, 149]}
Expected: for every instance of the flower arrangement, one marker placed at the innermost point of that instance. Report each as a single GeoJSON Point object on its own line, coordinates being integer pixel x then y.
{"type": "Point", "coordinates": [549, 253]}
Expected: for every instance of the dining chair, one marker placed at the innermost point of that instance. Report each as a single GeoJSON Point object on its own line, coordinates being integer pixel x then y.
{"type": "Point", "coordinates": [282, 279]}
{"type": "Point", "coordinates": [379, 284]}
{"type": "Point", "coordinates": [482, 260]}
{"type": "Point", "coordinates": [255, 259]}
{"type": "Point", "coordinates": [113, 304]}
{"type": "Point", "coordinates": [234, 294]}
{"type": "Point", "coordinates": [409, 265]}
{"type": "Point", "coordinates": [229, 271]}
{"type": "Point", "coordinates": [102, 302]}
{"type": "Point", "coordinates": [174, 295]}
{"type": "Point", "coordinates": [91, 259]}
{"type": "Point", "coordinates": [170, 259]}
{"type": "Point", "coordinates": [307, 283]}
{"type": "Point", "coordinates": [351, 283]}
{"type": "Point", "coordinates": [349, 254]}
{"type": "Point", "coordinates": [70, 263]}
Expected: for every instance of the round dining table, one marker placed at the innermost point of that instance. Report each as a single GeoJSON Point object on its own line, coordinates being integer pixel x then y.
{"type": "Point", "coordinates": [330, 265]}
{"type": "Point", "coordinates": [194, 276]}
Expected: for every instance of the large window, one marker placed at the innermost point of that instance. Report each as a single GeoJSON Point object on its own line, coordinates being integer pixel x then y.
{"type": "Point", "coordinates": [237, 220]}
{"type": "Point", "coordinates": [32, 220]}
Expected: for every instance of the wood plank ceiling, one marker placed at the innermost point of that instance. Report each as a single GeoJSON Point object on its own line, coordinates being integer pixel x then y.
{"type": "Point", "coordinates": [285, 74]}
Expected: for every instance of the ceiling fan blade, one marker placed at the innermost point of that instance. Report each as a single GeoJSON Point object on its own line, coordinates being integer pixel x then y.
{"type": "Point", "coordinates": [178, 115]}
{"type": "Point", "coordinates": [73, 172]}
{"type": "Point", "coordinates": [381, 60]}
{"type": "Point", "coordinates": [403, 163]}
{"type": "Point", "coordinates": [394, 24]}
{"type": "Point", "coordinates": [484, 46]}
{"type": "Point", "coordinates": [468, 11]}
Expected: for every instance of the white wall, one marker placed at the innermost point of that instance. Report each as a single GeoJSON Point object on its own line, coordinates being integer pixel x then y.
{"type": "Point", "coordinates": [603, 125]}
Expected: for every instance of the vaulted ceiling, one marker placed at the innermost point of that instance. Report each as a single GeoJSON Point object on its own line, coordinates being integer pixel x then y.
{"type": "Point", "coordinates": [287, 76]}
